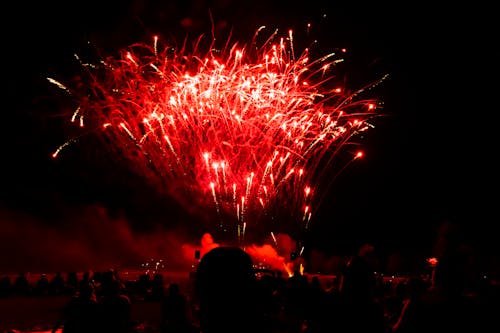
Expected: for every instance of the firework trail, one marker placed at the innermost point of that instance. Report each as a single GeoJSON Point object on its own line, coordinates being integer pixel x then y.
{"type": "Point", "coordinates": [248, 130]}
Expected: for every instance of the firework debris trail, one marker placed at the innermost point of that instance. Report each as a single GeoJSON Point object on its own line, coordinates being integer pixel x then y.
{"type": "Point", "coordinates": [246, 129]}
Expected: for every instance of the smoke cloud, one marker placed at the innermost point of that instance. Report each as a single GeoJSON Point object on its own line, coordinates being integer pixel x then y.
{"type": "Point", "coordinates": [88, 239]}
{"type": "Point", "coordinates": [91, 239]}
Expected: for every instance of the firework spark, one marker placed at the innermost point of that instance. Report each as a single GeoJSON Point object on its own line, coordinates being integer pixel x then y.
{"type": "Point", "coordinates": [243, 129]}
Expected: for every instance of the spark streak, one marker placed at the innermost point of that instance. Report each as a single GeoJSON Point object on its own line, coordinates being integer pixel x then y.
{"type": "Point", "coordinates": [238, 122]}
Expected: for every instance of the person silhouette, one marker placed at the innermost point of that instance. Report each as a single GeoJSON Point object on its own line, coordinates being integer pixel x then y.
{"type": "Point", "coordinates": [21, 284]}
{"type": "Point", "coordinates": [226, 286]}
{"type": "Point", "coordinates": [115, 309]}
{"type": "Point", "coordinates": [415, 288]}
{"type": "Point", "coordinates": [57, 284]}
{"type": "Point", "coordinates": [157, 288]}
{"type": "Point", "coordinates": [42, 286]}
{"type": "Point", "coordinates": [445, 306]}
{"type": "Point", "coordinates": [175, 312]}
{"type": "Point", "coordinates": [356, 308]}
{"type": "Point", "coordinates": [5, 286]}
{"type": "Point", "coordinates": [80, 313]}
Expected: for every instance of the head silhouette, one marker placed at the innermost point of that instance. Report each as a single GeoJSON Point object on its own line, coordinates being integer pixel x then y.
{"type": "Point", "coordinates": [225, 286]}
{"type": "Point", "coordinates": [173, 289]}
{"type": "Point", "coordinates": [358, 279]}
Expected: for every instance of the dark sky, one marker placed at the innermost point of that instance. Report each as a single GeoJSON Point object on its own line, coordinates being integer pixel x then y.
{"type": "Point", "coordinates": [432, 159]}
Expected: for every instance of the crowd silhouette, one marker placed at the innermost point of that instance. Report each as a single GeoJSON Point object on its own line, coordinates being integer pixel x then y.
{"type": "Point", "coordinates": [228, 296]}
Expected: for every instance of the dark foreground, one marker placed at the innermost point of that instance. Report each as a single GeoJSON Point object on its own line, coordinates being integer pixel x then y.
{"type": "Point", "coordinates": [27, 314]}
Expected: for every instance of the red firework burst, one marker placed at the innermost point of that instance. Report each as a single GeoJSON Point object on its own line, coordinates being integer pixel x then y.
{"type": "Point", "coordinates": [245, 129]}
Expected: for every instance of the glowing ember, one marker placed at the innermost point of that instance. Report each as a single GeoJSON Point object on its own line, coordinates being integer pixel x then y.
{"type": "Point", "coordinates": [247, 130]}
{"type": "Point", "coordinates": [433, 261]}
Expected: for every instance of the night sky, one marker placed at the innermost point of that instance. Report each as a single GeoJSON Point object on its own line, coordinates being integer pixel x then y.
{"type": "Point", "coordinates": [430, 159]}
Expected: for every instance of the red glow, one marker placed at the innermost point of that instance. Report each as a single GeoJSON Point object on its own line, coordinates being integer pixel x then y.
{"type": "Point", "coordinates": [432, 261]}
{"type": "Point", "coordinates": [236, 122]}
